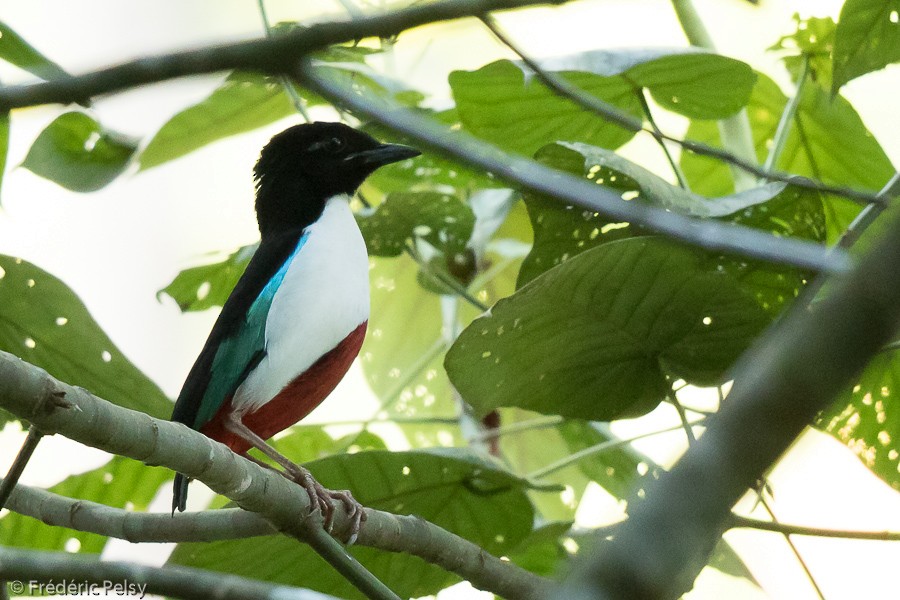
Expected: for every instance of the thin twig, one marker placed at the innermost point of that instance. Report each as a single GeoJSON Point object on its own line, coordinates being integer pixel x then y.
{"type": "Point", "coordinates": [682, 180]}
{"type": "Point", "coordinates": [612, 114]}
{"type": "Point", "coordinates": [570, 189]}
{"type": "Point", "coordinates": [599, 449]}
{"type": "Point", "coordinates": [286, 83]}
{"type": "Point", "coordinates": [787, 118]}
{"type": "Point", "coordinates": [15, 470]}
{"type": "Point", "coordinates": [740, 521]}
{"type": "Point", "coordinates": [790, 543]}
{"type": "Point", "coordinates": [685, 422]}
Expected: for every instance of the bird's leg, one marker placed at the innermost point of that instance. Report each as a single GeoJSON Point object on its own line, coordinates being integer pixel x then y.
{"type": "Point", "coordinates": [320, 497]}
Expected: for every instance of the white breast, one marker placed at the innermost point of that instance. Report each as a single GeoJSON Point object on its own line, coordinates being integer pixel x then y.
{"type": "Point", "coordinates": [324, 296]}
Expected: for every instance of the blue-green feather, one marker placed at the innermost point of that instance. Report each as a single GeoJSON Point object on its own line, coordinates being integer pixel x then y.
{"type": "Point", "coordinates": [239, 353]}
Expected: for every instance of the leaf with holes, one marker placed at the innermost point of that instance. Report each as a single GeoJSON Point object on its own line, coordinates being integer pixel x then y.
{"type": "Point", "coordinates": [16, 51]}
{"type": "Point", "coordinates": [121, 483]}
{"type": "Point", "coordinates": [75, 152]}
{"type": "Point", "coordinates": [43, 322]}
{"type": "Point", "coordinates": [468, 496]}
{"type": "Point", "coordinates": [441, 220]}
{"type": "Point", "coordinates": [825, 143]}
{"type": "Point", "coordinates": [206, 286]}
{"type": "Point", "coordinates": [625, 316]}
{"type": "Point", "coordinates": [866, 417]}
{"type": "Point", "coordinates": [813, 41]}
{"type": "Point", "coordinates": [867, 38]}
{"type": "Point", "coordinates": [562, 232]}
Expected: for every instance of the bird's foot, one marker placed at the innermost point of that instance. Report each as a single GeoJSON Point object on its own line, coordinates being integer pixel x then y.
{"type": "Point", "coordinates": [321, 498]}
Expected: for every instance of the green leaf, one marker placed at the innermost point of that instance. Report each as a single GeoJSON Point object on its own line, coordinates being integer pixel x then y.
{"type": "Point", "coordinates": [4, 145]}
{"type": "Point", "coordinates": [245, 101]}
{"type": "Point", "coordinates": [206, 286]}
{"type": "Point", "coordinates": [403, 370]}
{"type": "Point", "coordinates": [121, 483]}
{"type": "Point", "coordinates": [542, 551]}
{"type": "Point", "coordinates": [75, 152]}
{"type": "Point", "coordinates": [622, 318]}
{"type": "Point", "coordinates": [866, 417]}
{"type": "Point", "coordinates": [442, 220]}
{"type": "Point", "coordinates": [813, 41]}
{"type": "Point", "coordinates": [43, 322]}
{"type": "Point", "coordinates": [867, 39]}
{"type": "Point", "coordinates": [16, 51]}
{"type": "Point", "coordinates": [562, 232]}
{"type": "Point", "coordinates": [825, 143]}
{"type": "Point", "coordinates": [498, 103]}
{"type": "Point", "coordinates": [450, 488]}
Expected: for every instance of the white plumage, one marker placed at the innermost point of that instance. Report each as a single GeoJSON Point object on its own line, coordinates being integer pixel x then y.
{"type": "Point", "coordinates": [324, 296]}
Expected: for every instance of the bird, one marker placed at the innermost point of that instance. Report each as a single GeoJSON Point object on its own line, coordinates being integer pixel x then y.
{"type": "Point", "coordinates": [297, 317]}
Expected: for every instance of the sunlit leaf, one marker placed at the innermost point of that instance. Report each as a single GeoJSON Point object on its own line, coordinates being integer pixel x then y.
{"type": "Point", "coordinates": [813, 41]}
{"type": "Point", "coordinates": [75, 152]}
{"type": "Point", "coordinates": [451, 489]}
{"type": "Point", "coordinates": [43, 322]}
{"type": "Point", "coordinates": [867, 38]}
{"type": "Point", "coordinates": [866, 417]}
{"type": "Point", "coordinates": [624, 316]}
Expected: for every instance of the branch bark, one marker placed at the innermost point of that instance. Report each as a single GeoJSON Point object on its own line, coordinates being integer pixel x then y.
{"type": "Point", "coordinates": [54, 407]}
{"type": "Point", "coordinates": [24, 569]}
{"type": "Point", "coordinates": [780, 385]}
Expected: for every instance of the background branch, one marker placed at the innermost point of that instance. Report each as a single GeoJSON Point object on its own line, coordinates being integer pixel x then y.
{"type": "Point", "coordinates": [779, 387]}
{"type": "Point", "coordinates": [31, 394]}
{"type": "Point", "coordinates": [563, 187]}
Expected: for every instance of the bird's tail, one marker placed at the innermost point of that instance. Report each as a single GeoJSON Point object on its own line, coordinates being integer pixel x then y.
{"type": "Point", "coordinates": [180, 489]}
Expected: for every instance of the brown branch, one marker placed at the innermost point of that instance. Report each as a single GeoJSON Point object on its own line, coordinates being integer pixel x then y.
{"type": "Point", "coordinates": [30, 393]}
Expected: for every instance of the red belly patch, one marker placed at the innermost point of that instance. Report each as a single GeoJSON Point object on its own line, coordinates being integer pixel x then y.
{"type": "Point", "coordinates": [296, 400]}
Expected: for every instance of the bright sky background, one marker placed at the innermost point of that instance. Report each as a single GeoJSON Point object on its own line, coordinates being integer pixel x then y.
{"type": "Point", "coordinates": [117, 247]}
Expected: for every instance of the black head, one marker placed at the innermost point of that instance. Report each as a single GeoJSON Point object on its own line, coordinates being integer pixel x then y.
{"type": "Point", "coordinates": [305, 165]}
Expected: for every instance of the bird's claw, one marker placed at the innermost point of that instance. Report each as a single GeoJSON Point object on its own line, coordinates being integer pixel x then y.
{"type": "Point", "coordinates": [321, 498]}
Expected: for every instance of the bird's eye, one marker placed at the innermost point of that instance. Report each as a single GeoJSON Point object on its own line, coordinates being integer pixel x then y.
{"type": "Point", "coordinates": [335, 144]}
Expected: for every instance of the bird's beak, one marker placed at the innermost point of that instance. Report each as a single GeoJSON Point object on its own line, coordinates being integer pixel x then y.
{"type": "Point", "coordinates": [384, 154]}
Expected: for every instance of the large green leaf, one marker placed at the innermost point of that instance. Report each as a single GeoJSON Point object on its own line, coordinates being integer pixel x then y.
{"type": "Point", "coordinates": [451, 489]}
{"type": "Point", "coordinates": [562, 232]}
{"type": "Point", "coordinates": [44, 322]}
{"type": "Point", "coordinates": [244, 102]}
{"type": "Point", "coordinates": [828, 141]}
{"type": "Point", "coordinates": [404, 370]}
{"type": "Point", "coordinates": [15, 50]}
{"type": "Point", "coordinates": [866, 417]}
{"type": "Point", "coordinates": [867, 38]}
{"type": "Point", "coordinates": [442, 220]}
{"type": "Point", "coordinates": [597, 336]}
{"type": "Point", "coordinates": [498, 103]}
{"type": "Point", "coordinates": [121, 483]}
{"type": "Point", "coordinates": [206, 286]}
{"type": "Point", "coordinates": [75, 152]}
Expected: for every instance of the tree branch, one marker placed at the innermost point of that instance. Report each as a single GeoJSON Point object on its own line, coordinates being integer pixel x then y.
{"type": "Point", "coordinates": [31, 394]}
{"type": "Point", "coordinates": [779, 386]}
{"type": "Point", "coordinates": [275, 56]}
{"type": "Point", "coordinates": [564, 187]}
{"type": "Point", "coordinates": [740, 521]}
{"type": "Point", "coordinates": [23, 569]}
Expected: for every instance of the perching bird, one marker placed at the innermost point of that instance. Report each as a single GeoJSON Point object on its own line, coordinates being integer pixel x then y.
{"type": "Point", "coordinates": [297, 317]}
